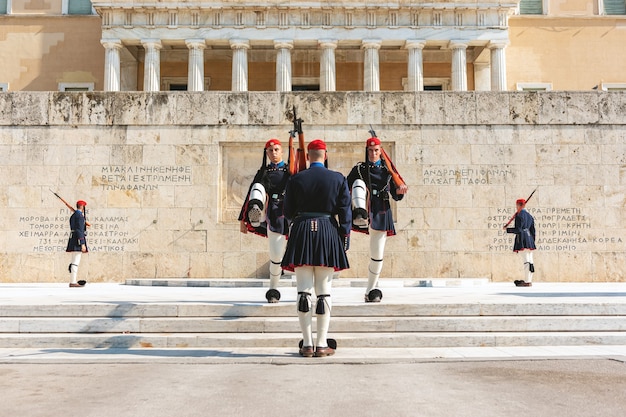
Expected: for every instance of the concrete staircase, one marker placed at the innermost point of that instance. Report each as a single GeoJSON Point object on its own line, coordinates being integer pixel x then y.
{"type": "Point", "coordinates": [192, 324]}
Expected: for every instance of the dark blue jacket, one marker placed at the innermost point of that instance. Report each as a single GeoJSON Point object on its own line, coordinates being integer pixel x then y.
{"type": "Point", "coordinates": [274, 179]}
{"type": "Point", "coordinates": [78, 227]}
{"type": "Point", "coordinates": [524, 231]}
{"type": "Point", "coordinates": [380, 187]}
{"type": "Point", "coordinates": [320, 190]}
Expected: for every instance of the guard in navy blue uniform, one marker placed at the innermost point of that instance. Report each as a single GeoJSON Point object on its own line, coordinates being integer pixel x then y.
{"type": "Point", "coordinates": [376, 218]}
{"type": "Point", "coordinates": [524, 241]}
{"type": "Point", "coordinates": [77, 243]}
{"type": "Point", "coordinates": [262, 210]}
{"type": "Point", "coordinates": [318, 201]}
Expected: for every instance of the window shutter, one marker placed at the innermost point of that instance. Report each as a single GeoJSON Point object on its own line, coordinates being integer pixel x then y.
{"type": "Point", "coordinates": [614, 6]}
{"type": "Point", "coordinates": [531, 7]}
{"type": "Point", "coordinates": [79, 7]}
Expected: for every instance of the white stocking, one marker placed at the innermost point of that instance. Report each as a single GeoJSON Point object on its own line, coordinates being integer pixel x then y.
{"type": "Point", "coordinates": [528, 261]}
{"type": "Point", "coordinates": [277, 243]}
{"type": "Point", "coordinates": [378, 238]}
{"type": "Point", "coordinates": [74, 267]}
{"type": "Point", "coordinates": [305, 279]}
{"type": "Point", "coordinates": [323, 284]}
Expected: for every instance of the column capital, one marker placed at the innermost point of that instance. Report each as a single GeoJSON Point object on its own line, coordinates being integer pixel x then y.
{"type": "Point", "coordinates": [497, 44]}
{"type": "Point", "coordinates": [328, 43]}
{"type": "Point", "coordinates": [283, 44]}
{"type": "Point", "coordinates": [112, 43]}
{"type": "Point", "coordinates": [371, 43]}
{"type": "Point", "coordinates": [415, 44]}
{"type": "Point", "coordinates": [152, 43]}
{"type": "Point", "coordinates": [458, 44]}
{"type": "Point", "coordinates": [239, 43]}
{"type": "Point", "coordinates": [195, 43]}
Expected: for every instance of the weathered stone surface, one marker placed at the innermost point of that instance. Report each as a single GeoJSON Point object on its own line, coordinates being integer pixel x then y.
{"type": "Point", "coordinates": [165, 175]}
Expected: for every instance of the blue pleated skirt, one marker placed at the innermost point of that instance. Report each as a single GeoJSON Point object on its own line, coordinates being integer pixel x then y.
{"type": "Point", "coordinates": [314, 241]}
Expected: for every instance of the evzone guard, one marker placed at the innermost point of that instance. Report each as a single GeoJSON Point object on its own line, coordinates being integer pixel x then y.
{"type": "Point", "coordinates": [524, 230]}
{"type": "Point", "coordinates": [372, 182]}
{"type": "Point", "coordinates": [77, 243]}
{"type": "Point", "coordinates": [262, 210]}
{"type": "Point", "coordinates": [318, 201]}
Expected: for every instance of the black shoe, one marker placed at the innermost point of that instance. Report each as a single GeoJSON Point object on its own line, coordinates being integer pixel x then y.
{"type": "Point", "coordinates": [272, 296]}
{"type": "Point", "coordinates": [374, 296]}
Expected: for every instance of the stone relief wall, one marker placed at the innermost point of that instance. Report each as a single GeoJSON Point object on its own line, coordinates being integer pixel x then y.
{"type": "Point", "coordinates": [164, 175]}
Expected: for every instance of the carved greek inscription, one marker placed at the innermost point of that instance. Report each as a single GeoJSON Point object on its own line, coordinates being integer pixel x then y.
{"type": "Point", "coordinates": [51, 233]}
{"type": "Point", "coordinates": [142, 177]}
{"type": "Point", "coordinates": [465, 175]}
{"type": "Point", "coordinates": [557, 229]}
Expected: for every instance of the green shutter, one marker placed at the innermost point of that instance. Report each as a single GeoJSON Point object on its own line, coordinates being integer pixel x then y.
{"type": "Point", "coordinates": [531, 7]}
{"type": "Point", "coordinates": [79, 7]}
{"type": "Point", "coordinates": [615, 6]}
{"type": "Point", "coordinates": [3, 6]}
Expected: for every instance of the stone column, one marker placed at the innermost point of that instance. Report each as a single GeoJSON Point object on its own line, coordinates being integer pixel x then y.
{"type": "Point", "coordinates": [459, 65]}
{"type": "Point", "coordinates": [112, 48]}
{"type": "Point", "coordinates": [283, 64]}
{"type": "Point", "coordinates": [371, 71]}
{"type": "Point", "coordinates": [152, 65]}
{"type": "Point", "coordinates": [415, 81]}
{"type": "Point", "coordinates": [195, 72]}
{"type": "Point", "coordinates": [498, 65]}
{"type": "Point", "coordinates": [240, 64]}
{"type": "Point", "coordinates": [328, 74]}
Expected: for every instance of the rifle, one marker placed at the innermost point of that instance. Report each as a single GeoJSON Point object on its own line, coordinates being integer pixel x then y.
{"type": "Point", "coordinates": [69, 206]}
{"type": "Point", "coordinates": [297, 128]}
{"type": "Point", "coordinates": [293, 169]}
{"type": "Point", "coordinates": [395, 175]}
{"type": "Point", "coordinates": [514, 215]}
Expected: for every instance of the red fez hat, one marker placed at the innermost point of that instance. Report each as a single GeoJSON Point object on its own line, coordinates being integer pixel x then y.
{"type": "Point", "coordinates": [317, 144]}
{"type": "Point", "coordinates": [373, 142]}
{"type": "Point", "coordinates": [81, 203]}
{"type": "Point", "coordinates": [272, 142]}
{"type": "Point", "coordinates": [521, 201]}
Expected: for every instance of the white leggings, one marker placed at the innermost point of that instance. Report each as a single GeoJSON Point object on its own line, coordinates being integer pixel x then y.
{"type": "Point", "coordinates": [319, 277]}
{"type": "Point", "coordinates": [378, 238]}
{"type": "Point", "coordinates": [74, 266]}
{"type": "Point", "coordinates": [527, 256]}
{"type": "Point", "coordinates": [277, 243]}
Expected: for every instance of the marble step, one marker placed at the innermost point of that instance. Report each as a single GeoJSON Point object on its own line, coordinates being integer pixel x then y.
{"type": "Point", "coordinates": [287, 309]}
{"type": "Point", "coordinates": [56, 341]}
{"type": "Point", "coordinates": [289, 281]}
{"type": "Point", "coordinates": [340, 324]}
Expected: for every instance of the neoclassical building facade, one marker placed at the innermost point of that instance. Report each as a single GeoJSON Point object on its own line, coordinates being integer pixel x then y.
{"type": "Point", "coordinates": [336, 36]}
{"type": "Point", "coordinates": [348, 45]}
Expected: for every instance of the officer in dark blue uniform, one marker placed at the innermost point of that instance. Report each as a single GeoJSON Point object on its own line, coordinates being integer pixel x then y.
{"type": "Point", "coordinates": [524, 241]}
{"type": "Point", "coordinates": [77, 243]}
{"type": "Point", "coordinates": [376, 218]}
{"type": "Point", "coordinates": [318, 201]}
{"type": "Point", "coordinates": [262, 210]}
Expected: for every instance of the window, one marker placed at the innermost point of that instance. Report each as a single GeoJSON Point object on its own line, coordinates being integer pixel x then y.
{"type": "Point", "coordinates": [305, 84]}
{"type": "Point", "coordinates": [3, 6]}
{"type": "Point", "coordinates": [4, 87]}
{"type": "Point", "coordinates": [79, 7]}
{"type": "Point", "coordinates": [531, 7]}
{"type": "Point", "coordinates": [534, 86]}
{"type": "Point", "coordinates": [614, 7]}
{"type": "Point", "coordinates": [75, 87]}
{"type": "Point", "coordinates": [180, 83]}
{"type": "Point", "coordinates": [613, 86]}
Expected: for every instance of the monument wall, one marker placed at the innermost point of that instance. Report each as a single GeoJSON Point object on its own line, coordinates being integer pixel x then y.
{"type": "Point", "coordinates": [165, 174]}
